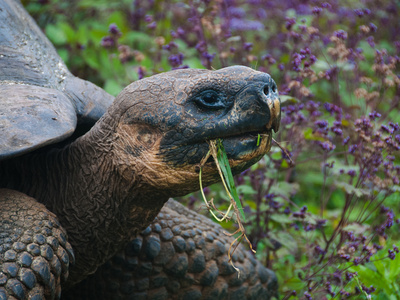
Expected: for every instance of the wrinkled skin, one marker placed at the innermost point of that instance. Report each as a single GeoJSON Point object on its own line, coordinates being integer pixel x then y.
{"type": "Point", "coordinates": [111, 183]}
{"type": "Point", "coordinates": [181, 255]}
{"type": "Point", "coordinates": [173, 135]}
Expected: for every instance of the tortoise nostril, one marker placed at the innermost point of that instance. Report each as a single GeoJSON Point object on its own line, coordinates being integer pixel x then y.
{"type": "Point", "coordinates": [266, 90]}
{"type": "Point", "coordinates": [274, 88]}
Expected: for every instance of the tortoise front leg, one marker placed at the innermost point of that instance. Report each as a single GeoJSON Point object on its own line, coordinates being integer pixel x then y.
{"type": "Point", "coordinates": [181, 255]}
{"type": "Point", "coordinates": [34, 252]}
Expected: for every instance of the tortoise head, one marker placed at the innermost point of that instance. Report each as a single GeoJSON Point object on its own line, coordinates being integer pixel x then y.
{"type": "Point", "coordinates": [163, 124]}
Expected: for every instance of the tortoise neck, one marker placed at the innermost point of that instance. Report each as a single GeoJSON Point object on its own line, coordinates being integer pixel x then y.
{"type": "Point", "coordinates": [104, 208]}
{"type": "Point", "coordinates": [100, 207]}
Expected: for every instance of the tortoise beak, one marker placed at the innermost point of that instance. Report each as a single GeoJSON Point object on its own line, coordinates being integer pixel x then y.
{"type": "Point", "coordinates": [275, 114]}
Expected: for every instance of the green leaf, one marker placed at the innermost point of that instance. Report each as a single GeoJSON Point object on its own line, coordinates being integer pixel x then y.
{"type": "Point", "coordinates": [56, 34]}
{"type": "Point", "coordinates": [281, 219]}
{"type": "Point", "coordinates": [91, 58]}
{"type": "Point", "coordinates": [246, 189]}
{"type": "Point", "coordinates": [349, 189]}
{"type": "Point", "coordinates": [309, 135]}
{"type": "Point", "coordinates": [112, 87]}
{"type": "Point", "coordinates": [287, 100]}
{"type": "Point", "coordinates": [64, 54]}
{"type": "Point", "coordinates": [276, 155]}
{"type": "Point", "coordinates": [285, 189]}
{"type": "Point", "coordinates": [68, 32]}
{"type": "Point", "coordinates": [268, 243]}
{"type": "Point", "coordinates": [357, 228]}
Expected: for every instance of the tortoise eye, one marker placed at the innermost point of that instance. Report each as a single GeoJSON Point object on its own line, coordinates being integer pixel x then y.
{"type": "Point", "coordinates": [210, 100]}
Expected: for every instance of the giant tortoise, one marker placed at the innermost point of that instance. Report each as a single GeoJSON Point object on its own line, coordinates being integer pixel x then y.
{"type": "Point", "coordinates": [84, 177]}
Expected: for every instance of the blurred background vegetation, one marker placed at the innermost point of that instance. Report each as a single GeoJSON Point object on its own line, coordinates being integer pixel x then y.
{"type": "Point", "coordinates": [326, 225]}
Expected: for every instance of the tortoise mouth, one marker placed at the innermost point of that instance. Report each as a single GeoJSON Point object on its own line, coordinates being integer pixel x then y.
{"type": "Point", "coordinates": [244, 146]}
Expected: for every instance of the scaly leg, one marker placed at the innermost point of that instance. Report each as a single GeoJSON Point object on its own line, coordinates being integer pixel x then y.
{"type": "Point", "coordinates": [34, 252]}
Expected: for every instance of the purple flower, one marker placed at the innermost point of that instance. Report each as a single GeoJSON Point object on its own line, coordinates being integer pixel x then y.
{"type": "Point", "coordinates": [351, 236]}
{"type": "Point", "coordinates": [387, 129]}
{"type": "Point", "coordinates": [201, 46]}
{"type": "Point", "coordinates": [321, 123]}
{"type": "Point", "coordinates": [319, 251]}
{"type": "Point", "coordinates": [140, 72]}
{"type": "Point", "coordinates": [170, 46]}
{"type": "Point", "coordinates": [374, 115]}
{"type": "Point", "coordinates": [350, 275]}
{"type": "Point", "coordinates": [289, 23]}
{"type": "Point", "coordinates": [344, 293]}
{"type": "Point", "coordinates": [345, 256]}
{"type": "Point", "coordinates": [337, 130]}
{"type": "Point", "coordinates": [371, 41]}
{"type": "Point", "coordinates": [176, 60]}
{"type": "Point", "coordinates": [180, 31]}
{"type": "Point", "coordinates": [320, 223]}
{"type": "Point", "coordinates": [363, 124]}
{"type": "Point", "coordinates": [148, 18]}
{"type": "Point", "coordinates": [367, 11]}
{"type": "Point", "coordinates": [287, 210]}
{"type": "Point", "coordinates": [395, 127]}
{"type": "Point", "coordinates": [316, 10]}
{"type": "Point", "coordinates": [248, 46]}
{"type": "Point", "coordinates": [236, 12]}
{"type": "Point", "coordinates": [245, 25]}
{"type": "Point", "coordinates": [261, 14]}
{"type": "Point", "coordinates": [268, 57]}
{"type": "Point", "coordinates": [107, 42]}
{"type": "Point", "coordinates": [208, 57]}
{"type": "Point", "coordinates": [309, 227]}
{"type": "Point", "coordinates": [152, 25]}
{"type": "Point", "coordinates": [352, 173]}
{"type": "Point", "coordinates": [356, 261]}
{"type": "Point", "coordinates": [206, 190]}
{"type": "Point", "coordinates": [113, 29]}
{"type": "Point", "coordinates": [359, 12]}
{"type": "Point", "coordinates": [341, 34]}
{"type": "Point", "coordinates": [333, 109]}
{"type": "Point", "coordinates": [326, 5]}
{"type": "Point", "coordinates": [307, 295]}
{"type": "Point", "coordinates": [174, 34]}
{"type": "Point", "coordinates": [297, 61]}
{"type": "Point", "coordinates": [373, 27]}
{"type": "Point", "coordinates": [369, 290]}
{"type": "Point", "coordinates": [270, 196]}
{"type": "Point", "coordinates": [326, 146]}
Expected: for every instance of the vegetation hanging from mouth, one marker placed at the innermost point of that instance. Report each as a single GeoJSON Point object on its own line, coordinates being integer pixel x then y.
{"type": "Point", "coordinates": [217, 151]}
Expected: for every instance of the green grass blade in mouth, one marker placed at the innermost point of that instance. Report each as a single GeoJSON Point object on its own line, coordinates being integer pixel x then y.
{"type": "Point", "coordinates": [227, 172]}
{"type": "Point", "coordinates": [217, 151]}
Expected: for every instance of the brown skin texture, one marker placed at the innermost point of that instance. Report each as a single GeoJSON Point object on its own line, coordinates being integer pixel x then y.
{"type": "Point", "coordinates": [111, 183]}
{"type": "Point", "coordinates": [181, 255]}
{"type": "Point", "coordinates": [35, 247]}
